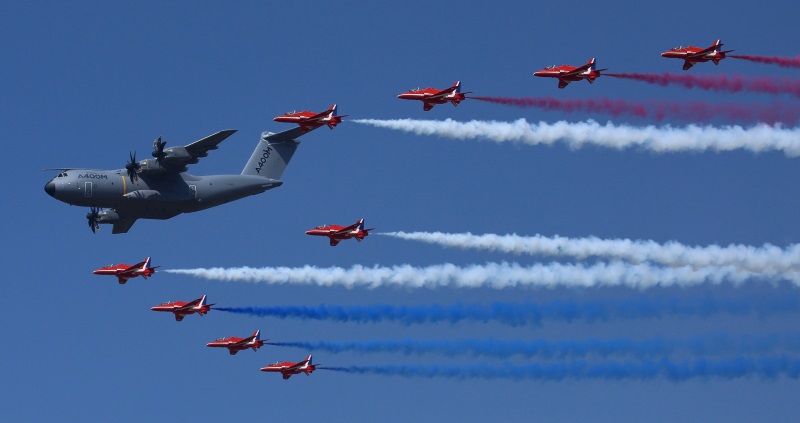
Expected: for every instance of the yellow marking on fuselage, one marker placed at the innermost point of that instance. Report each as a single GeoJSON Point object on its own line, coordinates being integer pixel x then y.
{"type": "Point", "coordinates": [124, 186]}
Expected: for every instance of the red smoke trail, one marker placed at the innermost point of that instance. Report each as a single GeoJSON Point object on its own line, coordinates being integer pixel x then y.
{"type": "Point", "coordinates": [694, 111]}
{"type": "Point", "coordinates": [784, 62]}
{"type": "Point", "coordinates": [732, 83]}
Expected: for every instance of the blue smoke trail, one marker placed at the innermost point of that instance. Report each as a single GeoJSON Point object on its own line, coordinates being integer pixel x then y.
{"type": "Point", "coordinates": [517, 314]}
{"type": "Point", "coordinates": [732, 368]}
{"type": "Point", "coordinates": [701, 346]}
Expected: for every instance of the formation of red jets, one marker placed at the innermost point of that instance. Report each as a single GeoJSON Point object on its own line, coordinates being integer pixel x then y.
{"type": "Point", "coordinates": [690, 55]}
{"type": "Point", "coordinates": [181, 309]}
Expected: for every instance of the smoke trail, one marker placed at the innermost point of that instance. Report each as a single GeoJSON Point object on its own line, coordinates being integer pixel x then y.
{"type": "Point", "coordinates": [738, 367]}
{"type": "Point", "coordinates": [531, 313]}
{"type": "Point", "coordinates": [758, 138]}
{"type": "Point", "coordinates": [658, 347]}
{"type": "Point", "coordinates": [490, 275]}
{"type": "Point", "coordinates": [765, 260]}
{"type": "Point", "coordinates": [726, 83]}
{"type": "Point", "coordinates": [784, 62]}
{"type": "Point", "coordinates": [694, 111]}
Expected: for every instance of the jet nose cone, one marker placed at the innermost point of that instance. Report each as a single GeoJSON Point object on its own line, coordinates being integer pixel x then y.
{"type": "Point", "coordinates": [50, 188]}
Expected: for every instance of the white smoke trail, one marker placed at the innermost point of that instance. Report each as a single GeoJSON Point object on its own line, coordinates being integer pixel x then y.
{"type": "Point", "coordinates": [767, 260]}
{"type": "Point", "coordinates": [490, 275]}
{"type": "Point", "coordinates": [758, 138]}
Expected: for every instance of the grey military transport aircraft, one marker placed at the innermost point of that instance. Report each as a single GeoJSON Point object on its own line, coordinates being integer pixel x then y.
{"type": "Point", "coordinates": [159, 188]}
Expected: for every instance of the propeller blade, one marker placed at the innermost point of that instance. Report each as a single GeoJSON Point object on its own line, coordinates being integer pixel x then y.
{"type": "Point", "coordinates": [158, 150]}
{"type": "Point", "coordinates": [133, 167]}
{"type": "Point", "coordinates": [92, 217]}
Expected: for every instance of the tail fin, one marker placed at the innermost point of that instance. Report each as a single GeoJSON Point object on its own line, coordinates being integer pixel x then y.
{"type": "Point", "coordinates": [273, 153]}
{"type": "Point", "coordinates": [361, 224]}
{"type": "Point", "coordinates": [202, 300]}
{"type": "Point", "coordinates": [333, 110]}
{"type": "Point", "coordinates": [257, 335]}
{"type": "Point", "coordinates": [592, 63]}
{"type": "Point", "coordinates": [146, 264]}
{"type": "Point", "coordinates": [308, 361]}
{"type": "Point", "coordinates": [458, 87]}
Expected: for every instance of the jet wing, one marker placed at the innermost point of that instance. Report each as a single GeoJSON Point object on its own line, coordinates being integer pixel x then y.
{"type": "Point", "coordinates": [562, 83]}
{"type": "Point", "coordinates": [240, 343]}
{"type": "Point", "coordinates": [317, 117]}
{"type": "Point", "coordinates": [443, 93]}
{"type": "Point", "coordinates": [704, 51]}
{"type": "Point", "coordinates": [345, 230]}
{"type": "Point", "coordinates": [296, 366]}
{"type": "Point", "coordinates": [132, 269]}
{"type": "Point", "coordinates": [578, 70]}
{"type": "Point", "coordinates": [189, 305]}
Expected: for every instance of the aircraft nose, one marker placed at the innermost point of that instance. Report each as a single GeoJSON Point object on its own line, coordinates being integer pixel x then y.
{"type": "Point", "coordinates": [50, 188]}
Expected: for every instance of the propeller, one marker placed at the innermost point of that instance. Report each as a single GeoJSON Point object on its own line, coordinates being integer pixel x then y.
{"type": "Point", "coordinates": [93, 217]}
{"type": "Point", "coordinates": [133, 167]}
{"type": "Point", "coordinates": [158, 150]}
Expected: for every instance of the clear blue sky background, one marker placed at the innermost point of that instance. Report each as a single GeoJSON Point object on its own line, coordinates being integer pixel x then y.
{"type": "Point", "coordinates": [83, 83]}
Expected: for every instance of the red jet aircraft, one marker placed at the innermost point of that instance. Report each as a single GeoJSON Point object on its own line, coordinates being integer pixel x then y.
{"type": "Point", "coordinates": [123, 272]}
{"type": "Point", "coordinates": [433, 96]}
{"type": "Point", "coordinates": [337, 232]}
{"type": "Point", "coordinates": [692, 54]}
{"type": "Point", "coordinates": [287, 368]}
{"type": "Point", "coordinates": [567, 74]}
{"type": "Point", "coordinates": [310, 120]}
{"type": "Point", "coordinates": [234, 344]}
{"type": "Point", "coordinates": [181, 308]}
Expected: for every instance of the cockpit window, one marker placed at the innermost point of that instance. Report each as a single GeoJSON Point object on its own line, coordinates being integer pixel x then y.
{"type": "Point", "coordinates": [61, 175]}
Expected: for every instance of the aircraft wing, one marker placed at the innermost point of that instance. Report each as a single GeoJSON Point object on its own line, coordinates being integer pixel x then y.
{"type": "Point", "coordinates": [345, 230]}
{"type": "Point", "coordinates": [443, 93]}
{"type": "Point", "coordinates": [189, 305]}
{"type": "Point", "coordinates": [201, 147]}
{"type": "Point", "coordinates": [295, 366]}
{"type": "Point", "coordinates": [704, 51]}
{"type": "Point", "coordinates": [578, 70]}
{"type": "Point", "coordinates": [241, 343]}
{"type": "Point", "coordinates": [318, 116]}
{"type": "Point", "coordinates": [132, 269]}
{"type": "Point", "coordinates": [122, 225]}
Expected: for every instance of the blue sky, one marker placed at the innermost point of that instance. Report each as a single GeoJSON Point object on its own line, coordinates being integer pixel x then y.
{"type": "Point", "coordinates": [85, 83]}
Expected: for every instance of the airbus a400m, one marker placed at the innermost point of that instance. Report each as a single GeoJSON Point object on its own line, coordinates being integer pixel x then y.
{"type": "Point", "coordinates": [160, 188]}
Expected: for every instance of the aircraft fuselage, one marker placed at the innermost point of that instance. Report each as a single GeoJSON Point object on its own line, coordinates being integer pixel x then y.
{"type": "Point", "coordinates": [159, 196]}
